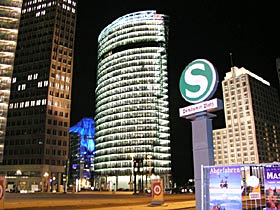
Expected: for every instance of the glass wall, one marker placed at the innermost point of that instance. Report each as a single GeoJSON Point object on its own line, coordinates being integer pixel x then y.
{"type": "Point", "coordinates": [9, 23]}
{"type": "Point", "coordinates": [132, 111]}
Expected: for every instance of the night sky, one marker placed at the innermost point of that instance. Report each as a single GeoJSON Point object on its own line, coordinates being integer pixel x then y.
{"type": "Point", "coordinates": [198, 29]}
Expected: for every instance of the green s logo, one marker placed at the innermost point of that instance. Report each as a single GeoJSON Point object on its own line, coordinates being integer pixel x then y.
{"type": "Point", "coordinates": [198, 81]}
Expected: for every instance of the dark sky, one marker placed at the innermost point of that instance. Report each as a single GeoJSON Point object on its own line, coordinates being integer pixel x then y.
{"type": "Point", "coordinates": [208, 29]}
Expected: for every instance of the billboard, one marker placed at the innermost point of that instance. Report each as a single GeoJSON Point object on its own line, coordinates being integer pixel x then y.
{"type": "Point", "coordinates": [225, 188]}
{"type": "Point", "coordinates": [272, 187]}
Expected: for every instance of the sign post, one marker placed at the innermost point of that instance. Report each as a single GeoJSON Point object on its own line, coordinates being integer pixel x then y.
{"type": "Point", "coordinates": [157, 192]}
{"type": "Point", "coordinates": [198, 83]}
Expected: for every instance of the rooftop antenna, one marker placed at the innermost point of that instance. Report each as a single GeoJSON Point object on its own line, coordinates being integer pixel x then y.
{"type": "Point", "coordinates": [231, 61]}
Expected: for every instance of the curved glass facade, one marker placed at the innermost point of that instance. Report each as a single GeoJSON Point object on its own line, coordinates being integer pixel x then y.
{"type": "Point", "coordinates": [132, 111]}
{"type": "Point", "coordinates": [9, 23]}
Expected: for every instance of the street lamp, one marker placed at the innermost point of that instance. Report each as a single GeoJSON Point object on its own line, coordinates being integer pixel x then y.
{"type": "Point", "coordinates": [150, 168]}
{"type": "Point", "coordinates": [46, 182]}
{"type": "Point", "coordinates": [138, 169]}
{"type": "Point", "coordinates": [135, 169]}
{"type": "Point", "coordinates": [18, 174]}
{"type": "Point", "coordinates": [65, 176]}
{"type": "Point", "coordinates": [141, 172]}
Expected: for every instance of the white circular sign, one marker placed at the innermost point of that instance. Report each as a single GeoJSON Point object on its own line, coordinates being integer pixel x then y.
{"type": "Point", "coordinates": [157, 189]}
{"type": "Point", "coordinates": [198, 81]}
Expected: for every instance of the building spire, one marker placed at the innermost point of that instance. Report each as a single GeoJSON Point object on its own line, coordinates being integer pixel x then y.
{"type": "Point", "coordinates": [231, 60]}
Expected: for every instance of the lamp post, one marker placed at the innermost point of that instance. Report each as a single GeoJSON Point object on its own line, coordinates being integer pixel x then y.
{"type": "Point", "coordinates": [18, 174]}
{"type": "Point", "coordinates": [150, 169]}
{"type": "Point", "coordinates": [65, 179]}
{"type": "Point", "coordinates": [142, 184]}
{"type": "Point", "coordinates": [135, 169]}
{"type": "Point", "coordinates": [138, 169]}
{"type": "Point", "coordinates": [46, 182]}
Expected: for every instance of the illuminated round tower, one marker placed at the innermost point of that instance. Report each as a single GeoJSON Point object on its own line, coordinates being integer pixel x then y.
{"type": "Point", "coordinates": [132, 114]}
{"type": "Point", "coordinates": [9, 23]}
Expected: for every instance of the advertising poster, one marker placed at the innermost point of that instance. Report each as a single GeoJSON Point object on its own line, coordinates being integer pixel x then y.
{"type": "Point", "coordinates": [272, 187]}
{"type": "Point", "coordinates": [255, 190]}
{"type": "Point", "coordinates": [225, 188]}
{"type": "Point", "coordinates": [157, 192]}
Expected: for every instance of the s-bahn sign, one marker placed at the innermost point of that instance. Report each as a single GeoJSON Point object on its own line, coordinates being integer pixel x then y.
{"type": "Point", "coordinates": [209, 106]}
{"type": "Point", "coordinates": [198, 84]}
{"type": "Point", "coordinates": [198, 81]}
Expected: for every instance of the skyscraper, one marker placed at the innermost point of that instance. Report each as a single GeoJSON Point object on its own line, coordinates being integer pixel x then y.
{"type": "Point", "coordinates": [37, 138]}
{"type": "Point", "coordinates": [252, 117]}
{"type": "Point", "coordinates": [132, 112]}
{"type": "Point", "coordinates": [9, 23]}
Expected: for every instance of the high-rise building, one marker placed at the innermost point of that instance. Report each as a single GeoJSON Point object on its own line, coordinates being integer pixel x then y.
{"type": "Point", "coordinates": [37, 134]}
{"type": "Point", "coordinates": [9, 23]}
{"type": "Point", "coordinates": [252, 117]}
{"type": "Point", "coordinates": [132, 111]}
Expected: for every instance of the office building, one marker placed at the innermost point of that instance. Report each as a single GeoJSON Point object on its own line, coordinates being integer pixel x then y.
{"type": "Point", "coordinates": [252, 117]}
{"type": "Point", "coordinates": [38, 122]}
{"type": "Point", "coordinates": [132, 111]}
{"type": "Point", "coordinates": [81, 154]}
{"type": "Point", "coordinates": [9, 23]}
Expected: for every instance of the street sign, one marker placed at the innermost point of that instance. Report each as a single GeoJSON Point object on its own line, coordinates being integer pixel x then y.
{"type": "Point", "coordinates": [198, 81]}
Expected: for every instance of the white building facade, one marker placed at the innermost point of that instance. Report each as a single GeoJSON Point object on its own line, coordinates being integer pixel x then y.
{"type": "Point", "coordinates": [251, 108]}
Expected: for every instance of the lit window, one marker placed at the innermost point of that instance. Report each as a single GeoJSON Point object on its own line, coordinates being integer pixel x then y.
{"type": "Point", "coordinates": [21, 105]}
{"type": "Point", "coordinates": [29, 77]}
{"type": "Point", "coordinates": [38, 102]}
{"type": "Point", "coordinates": [40, 84]}
{"type": "Point", "coordinates": [35, 76]}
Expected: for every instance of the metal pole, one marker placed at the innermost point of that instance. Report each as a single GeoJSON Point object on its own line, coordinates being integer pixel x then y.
{"type": "Point", "coordinates": [134, 180]}
{"type": "Point", "coordinates": [202, 188]}
{"type": "Point", "coordinates": [67, 174]}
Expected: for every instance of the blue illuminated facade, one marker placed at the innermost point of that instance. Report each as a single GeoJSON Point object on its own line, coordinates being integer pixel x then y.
{"type": "Point", "coordinates": [81, 153]}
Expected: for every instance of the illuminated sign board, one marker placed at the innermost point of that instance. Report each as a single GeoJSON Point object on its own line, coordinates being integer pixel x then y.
{"type": "Point", "coordinates": [209, 106]}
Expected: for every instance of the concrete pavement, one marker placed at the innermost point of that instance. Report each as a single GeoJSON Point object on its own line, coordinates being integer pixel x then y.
{"type": "Point", "coordinates": [188, 205]}
{"type": "Point", "coordinates": [94, 201]}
